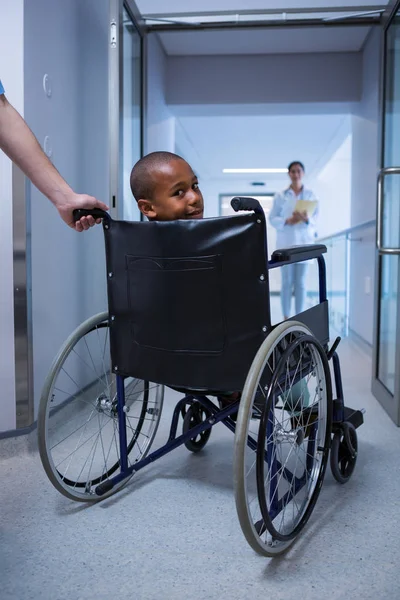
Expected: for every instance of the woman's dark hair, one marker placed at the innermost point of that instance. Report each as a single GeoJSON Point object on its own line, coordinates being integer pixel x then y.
{"type": "Point", "coordinates": [294, 163]}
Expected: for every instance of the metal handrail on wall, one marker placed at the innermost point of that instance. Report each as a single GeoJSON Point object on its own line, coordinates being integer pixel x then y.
{"type": "Point", "coordinates": [338, 264]}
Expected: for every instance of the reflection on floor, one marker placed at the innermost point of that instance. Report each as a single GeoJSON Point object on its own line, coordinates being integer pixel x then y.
{"type": "Point", "coordinates": [173, 534]}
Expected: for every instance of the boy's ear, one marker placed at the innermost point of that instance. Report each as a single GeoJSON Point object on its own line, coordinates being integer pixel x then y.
{"type": "Point", "coordinates": [146, 208]}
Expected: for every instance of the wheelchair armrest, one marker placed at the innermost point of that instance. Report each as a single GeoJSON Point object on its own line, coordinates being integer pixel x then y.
{"type": "Point", "coordinates": [298, 253]}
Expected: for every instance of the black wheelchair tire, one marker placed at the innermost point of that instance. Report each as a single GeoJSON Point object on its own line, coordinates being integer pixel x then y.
{"type": "Point", "coordinates": [341, 460]}
{"type": "Point", "coordinates": [194, 416]}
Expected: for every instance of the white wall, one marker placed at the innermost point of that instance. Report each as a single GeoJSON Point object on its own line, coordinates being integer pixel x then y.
{"type": "Point", "coordinates": [160, 133]}
{"type": "Point", "coordinates": [68, 270]}
{"type": "Point", "coordinates": [364, 175]}
{"type": "Point", "coordinates": [93, 134]}
{"type": "Point", "coordinates": [56, 249]}
{"type": "Point", "coordinates": [12, 76]}
{"type": "Point", "coordinates": [365, 135]}
{"type": "Point", "coordinates": [334, 77]}
{"type": "Point", "coordinates": [332, 186]}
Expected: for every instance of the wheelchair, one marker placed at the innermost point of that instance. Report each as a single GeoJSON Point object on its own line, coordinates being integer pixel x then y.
{"type": "Point", "coordinates": [189, 308]}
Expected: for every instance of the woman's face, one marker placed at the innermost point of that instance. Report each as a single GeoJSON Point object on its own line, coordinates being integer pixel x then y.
{"type": "Point", "coordinates": [296, 174]}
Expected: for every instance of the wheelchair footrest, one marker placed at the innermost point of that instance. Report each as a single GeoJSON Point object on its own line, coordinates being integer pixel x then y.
{"type": "Point", "coordinates": [353, 416]}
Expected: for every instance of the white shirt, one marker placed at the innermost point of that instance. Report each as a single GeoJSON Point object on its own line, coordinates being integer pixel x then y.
{"type": "Point", "coordinates": [300, 234]}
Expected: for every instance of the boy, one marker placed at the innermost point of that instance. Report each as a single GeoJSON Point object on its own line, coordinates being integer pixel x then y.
{"type": "Point", "coordinates": [166, 188]}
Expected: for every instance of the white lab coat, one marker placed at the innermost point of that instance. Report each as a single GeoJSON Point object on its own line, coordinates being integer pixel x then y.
{"type": "Point", "coordinates": [282, 209]}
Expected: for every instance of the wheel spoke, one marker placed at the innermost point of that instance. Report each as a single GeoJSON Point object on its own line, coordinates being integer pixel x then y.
{"type": "Point", "coordinates": [79, 445]}
{"type": "Point", "coordinates": [295, 425]}
{"type": "Point", "coordinates": [92, 414]}
{"type": "Point", "coordinates": [80, 429]}
{"type": "Point", "coordinates": [89, 366]}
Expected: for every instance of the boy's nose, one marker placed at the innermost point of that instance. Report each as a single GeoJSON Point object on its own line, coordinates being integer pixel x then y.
{"type": "Point", "coordinates": [193, 198]}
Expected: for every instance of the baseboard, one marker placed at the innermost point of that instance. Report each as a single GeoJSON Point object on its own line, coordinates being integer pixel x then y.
{"type": "Point", "coordinates": [13, 433]}
{"type": "Point", "coordinates": [361, 342]}
{"type": "Point", "coordinates": [18, 442]}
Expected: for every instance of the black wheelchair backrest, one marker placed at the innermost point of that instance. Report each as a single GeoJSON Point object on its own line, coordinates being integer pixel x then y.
{"type": "Point", "coordinates": [188, 300]}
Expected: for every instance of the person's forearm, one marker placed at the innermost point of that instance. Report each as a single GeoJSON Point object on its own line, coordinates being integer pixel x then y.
{"type": "Point", "coordinates": [19, 143]}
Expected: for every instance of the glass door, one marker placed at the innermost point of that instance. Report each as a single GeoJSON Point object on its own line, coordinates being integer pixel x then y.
{"type": "Point", "coordinates": [126, 103]}
{"type": "Point", "coordinates": [386, 375]}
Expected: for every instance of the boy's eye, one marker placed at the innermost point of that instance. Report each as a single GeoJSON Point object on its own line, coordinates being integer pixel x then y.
{"type": "Point", "coordinates": [178, 193]}
{"type": "Point", "coordinates": [196, 186]}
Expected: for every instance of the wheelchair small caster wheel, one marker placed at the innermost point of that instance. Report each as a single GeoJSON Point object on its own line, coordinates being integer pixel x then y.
{"type": "Point", "coordinates": [195, 415]}
{"type": "Point", "coordinates": [344, 452]}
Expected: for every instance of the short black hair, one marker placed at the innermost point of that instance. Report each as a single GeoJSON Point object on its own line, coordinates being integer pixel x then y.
{"type": "Point", "coordinates": [142, 184]}
{"type": "Point", "coordinates": [294, 163]}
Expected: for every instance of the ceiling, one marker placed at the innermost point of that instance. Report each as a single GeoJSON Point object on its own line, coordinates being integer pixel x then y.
{"type": "Point", "coordinates": [259, 141]}
{"type": "Point", "coordinates": [264, 41]}
{"type": "Point", "coordinates": [201, 7]}
{"type": "Point", "coordinates": [257, 40]}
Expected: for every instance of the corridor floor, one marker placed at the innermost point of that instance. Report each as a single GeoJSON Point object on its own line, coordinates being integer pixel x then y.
{"type": "Point", "coordinates": [173, 534]}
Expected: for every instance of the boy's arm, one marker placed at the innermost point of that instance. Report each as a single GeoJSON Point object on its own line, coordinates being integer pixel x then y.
{"type": "Point", "coordinates": [21, 146]}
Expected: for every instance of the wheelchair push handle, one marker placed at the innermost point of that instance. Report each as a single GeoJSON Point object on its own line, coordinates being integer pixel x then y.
{"type": "Point", "coordinates": [96, 213]}
{"type": "Point", "coordinates": [239, 203]}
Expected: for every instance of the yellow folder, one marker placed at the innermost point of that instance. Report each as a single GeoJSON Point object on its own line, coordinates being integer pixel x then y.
{"type": "Point", "coordinates": [308, 206]}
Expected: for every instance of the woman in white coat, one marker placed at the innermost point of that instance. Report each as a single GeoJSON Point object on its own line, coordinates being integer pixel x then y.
{"type": "Point", "coordinates": [293, 229]}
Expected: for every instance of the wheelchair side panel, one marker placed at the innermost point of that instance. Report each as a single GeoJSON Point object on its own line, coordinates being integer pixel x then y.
{"type": "Point", "coordinates": [316, 319]}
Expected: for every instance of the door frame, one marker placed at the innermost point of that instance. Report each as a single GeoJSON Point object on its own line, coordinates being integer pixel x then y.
{"type": "Point", "coordinates": [115, 93]}
{"type": "Point", "coordinates": [391, 403]}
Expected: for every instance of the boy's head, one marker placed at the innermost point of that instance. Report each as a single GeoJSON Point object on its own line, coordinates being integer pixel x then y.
{"type": "Point", "coordinates": [166, 188]}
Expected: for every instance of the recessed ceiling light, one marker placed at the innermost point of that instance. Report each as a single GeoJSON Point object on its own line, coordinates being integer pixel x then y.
{"type": "Point", "coordinates": [254, 170]}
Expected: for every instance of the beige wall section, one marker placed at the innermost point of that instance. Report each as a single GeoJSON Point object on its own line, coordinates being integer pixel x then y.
{"type": "Point", "coordinates": [12, 77]}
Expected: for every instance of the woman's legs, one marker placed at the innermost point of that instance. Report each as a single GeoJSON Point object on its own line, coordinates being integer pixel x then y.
{"type": "Point", "coordinates": [300, 276]}
{"type": "Point", "coordinates": [287, 273]}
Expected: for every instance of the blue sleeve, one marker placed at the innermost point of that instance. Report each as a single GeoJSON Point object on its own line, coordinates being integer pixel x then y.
{"type": "Point", "coordinates": [1, 88]}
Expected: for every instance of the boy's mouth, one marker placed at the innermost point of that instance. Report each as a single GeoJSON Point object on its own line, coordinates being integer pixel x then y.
{"type": "Point", "coordinates": [195, 214]}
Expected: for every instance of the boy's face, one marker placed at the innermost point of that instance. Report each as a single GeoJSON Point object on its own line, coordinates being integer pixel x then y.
{"type": "Point", "coordinates": [176, 194]}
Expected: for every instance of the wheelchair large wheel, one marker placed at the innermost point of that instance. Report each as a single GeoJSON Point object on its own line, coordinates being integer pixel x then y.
{"type": "Point", "coordinates": [78, 430]}
{"type": "Point", "coordinates": [282, 438]}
